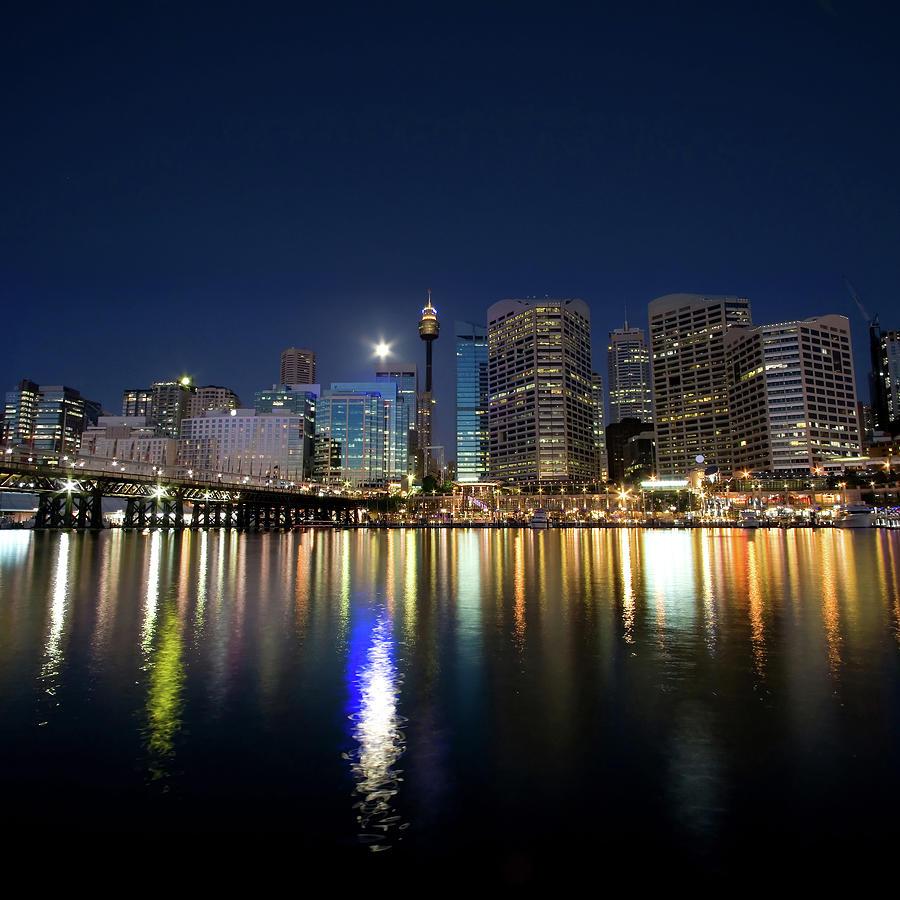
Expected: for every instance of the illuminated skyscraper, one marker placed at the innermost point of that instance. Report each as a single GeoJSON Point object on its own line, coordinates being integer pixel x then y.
{"type": "Point", "coordinates": [46, 418]}
{"type": "Point", "coordinates": [213, 396]}
{"type": "Point", "coordinates": [890, 376]}
{"type": "Point", "coordinates": [690, 381]}
{"type": "Point", "coordinates": [472, 437]}
{"type": "Point", "coordinates": [406, 377]}
{"type": "Point", "coordinates": [540, 411]}
{"type": "Point", "coordinates": [792, 395]}
{"type": "Point", "coordinates": [629, 376]}
{"type": "Point", "coordinates": [170, 404]}
{"type": "Point", "coordinates": [298, 400]}
{"type": "Point", "coordinates": [361, 435]}
{"type": "Point", "coordinates": [137, 402]}
{"type": "Point", "coordinates": [601, 463]}
{"type": "Point", "coordinates": [298, 367]}
{"type": "Point", "coordinates": [20, 413]}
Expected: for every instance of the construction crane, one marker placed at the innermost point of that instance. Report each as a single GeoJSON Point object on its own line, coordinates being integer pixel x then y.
{"type": "Point", "coordinates": [852, 291]}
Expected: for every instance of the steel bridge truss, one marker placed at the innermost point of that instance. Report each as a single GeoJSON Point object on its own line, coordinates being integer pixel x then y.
{"type": "Point", "coordinates": [74, 500]}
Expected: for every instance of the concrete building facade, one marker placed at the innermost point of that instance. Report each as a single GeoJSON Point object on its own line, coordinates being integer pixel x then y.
{"type": "Point", "coordinates": [792, 395]}
{"type": "Point", "coordinates": [628, 376]}
{"type": "Point", "coordinates": [297, 366]}
{"type": "Point", "coordinates": [690, 379]}
{"type": "Point", "coordinates": [540, 410]}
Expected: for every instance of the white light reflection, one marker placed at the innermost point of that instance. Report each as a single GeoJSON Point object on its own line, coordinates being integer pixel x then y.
{"type": "Point", "coordinates": [53, 653]}
{"type": "Point", "coordinates": [152, 600]}
{"type": "Point", "coordinates": [378, 729]}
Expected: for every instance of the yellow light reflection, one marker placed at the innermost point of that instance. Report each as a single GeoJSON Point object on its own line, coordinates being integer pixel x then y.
{"type": "Point", "coordinates": [164, 697]}
{"type": "Point", "coordinates": [887, 575]}
{"type": "Point", "coordinates": [830, 610]}
{"type": "Point", "coordinates": [411, 592]}
{"type": "Point", "coordinates": [628, 598]}
{"type": "Point", "coordinates": [710, 616]}
{"type": "Point", "coordinates": [519, 592]}
{"type": "Point", "coordinates": [755, 610]}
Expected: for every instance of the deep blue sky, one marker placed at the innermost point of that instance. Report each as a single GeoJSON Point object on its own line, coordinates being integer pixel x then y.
{"type": "Point", "coordinates": [194, 187]}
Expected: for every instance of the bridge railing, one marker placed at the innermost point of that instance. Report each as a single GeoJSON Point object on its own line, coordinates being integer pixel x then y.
{"type": "Point", "coordinates": [80, 469]}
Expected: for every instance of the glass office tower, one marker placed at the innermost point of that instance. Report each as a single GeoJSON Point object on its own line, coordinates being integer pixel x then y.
{"type": "Point", "coordinates": [472, 438]}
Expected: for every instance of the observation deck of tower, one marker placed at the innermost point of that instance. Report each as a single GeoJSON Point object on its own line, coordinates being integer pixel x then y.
{"type": "Point", "coordinates": [429, 328]}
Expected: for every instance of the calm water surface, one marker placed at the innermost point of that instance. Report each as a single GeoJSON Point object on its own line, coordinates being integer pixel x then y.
{"type": "Point", "coordinates": [513, 700]}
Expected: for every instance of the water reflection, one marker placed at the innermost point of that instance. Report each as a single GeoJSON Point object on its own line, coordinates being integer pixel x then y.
{"type": "Point", "coordinates": [151, 597]}
{"type": "Point", "coordinates": [544, 676]}
{"type": "Point", "coordinates": [164, 694]}
{"type": "Point", "coordinates": [378, 731]}
{"type": "Point", "coordinates": [162, 647]}
{"type": "Point", "coordinates": [830, 609]}
{"type": "Point", "coordinates": [628, 597]}
{"type": "Point", "coordinates": [754, 596]}
{"type": "Point", "coordinates": [53, 646]}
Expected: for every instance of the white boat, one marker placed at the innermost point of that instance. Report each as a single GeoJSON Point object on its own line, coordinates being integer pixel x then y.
{"type": "Point", "coordinates": [855, 515]}
{"type": "Point", "coordinates": [539, 519]}
{"type": "Point", "coordinates": [749, 520]}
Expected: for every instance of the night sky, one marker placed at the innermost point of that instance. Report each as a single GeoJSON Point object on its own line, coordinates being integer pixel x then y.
{"type": "Point", "coordinates": [194, 187]}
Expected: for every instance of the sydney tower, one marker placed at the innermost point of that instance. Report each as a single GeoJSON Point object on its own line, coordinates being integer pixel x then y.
{"type": "Point", "coordinates": [429, 327]}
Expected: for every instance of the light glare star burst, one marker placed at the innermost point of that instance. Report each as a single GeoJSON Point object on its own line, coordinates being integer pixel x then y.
{"type": "Point", "coordinates": [382, 349]}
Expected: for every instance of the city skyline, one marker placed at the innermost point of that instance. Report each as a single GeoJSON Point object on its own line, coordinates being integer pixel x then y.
{"type": "Point", "coordinates": [197, 209]}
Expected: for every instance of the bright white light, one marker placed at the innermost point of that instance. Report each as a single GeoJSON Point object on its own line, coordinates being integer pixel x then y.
{"type": "Point", "coordinates": [382, 349]}
{"type": "Point", "coordinates": [69, 485]}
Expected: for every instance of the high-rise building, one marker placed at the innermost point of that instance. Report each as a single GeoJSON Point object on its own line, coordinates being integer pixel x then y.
{"type": "Point", "coordinates": [792, 395]}
{"type": "Point", "coordinates": [601, 463]}
{"type": "Point", "coordinates": [361, 435]}
{"type": "Point", "coordinates": [890, 377]}
{"type": "Point", "coordinates": [47, 418]}
{"type": "Point", "coordinates": [630, 395]}
{"type": "Point", "coordinates": [298, 366]}
{"type": "Point", "coordinates": [472, 437]}
{"type": "Point", "coordinates": [213, 396]}
{"type": "Point", "coordinates": [59, 421]}
{"type": "Point", "coordinates": [540, 412]}
{"type": "Point", "coordinates": [429, 328]}
{"type": "Point", "coordinates": [690, 381]}
{"type": "Point", "coordinates": [20, 413]}
{"type": "Point", "coordinates": [629, 446]}
{"type": "Point", "coordinates": [170, 404]}
{"type": "Point", "coordinates": [406, 377]}
{"type": "Point", "coordinates": [297, 400]}
{"type": "Point", "coordinates": [137, 402]}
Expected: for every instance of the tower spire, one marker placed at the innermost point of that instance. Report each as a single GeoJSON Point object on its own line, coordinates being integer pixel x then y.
{"type": "Point", "coordinates": [429, 328]}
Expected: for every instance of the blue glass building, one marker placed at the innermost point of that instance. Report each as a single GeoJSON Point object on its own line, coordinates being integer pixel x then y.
{"type": "Point", "coordinates": [406, 377]}
{"type": "Point", "coordinates": [472, 441]}
{"type": "Point", "coordinates": [361, 435]}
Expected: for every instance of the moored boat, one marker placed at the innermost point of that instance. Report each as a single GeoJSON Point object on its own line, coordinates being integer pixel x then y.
{"type": "Point", "coordinates": [539, 519]}
{"type": "Point", "coordinates": [855, 515]}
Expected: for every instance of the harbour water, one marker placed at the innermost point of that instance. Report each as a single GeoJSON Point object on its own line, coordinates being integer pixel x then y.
{"type": "Point", "coordinates": [511, 701]}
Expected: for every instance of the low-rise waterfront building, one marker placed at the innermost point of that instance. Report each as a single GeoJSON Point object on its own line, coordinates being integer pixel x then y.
{"type": "Point", "coordinates": [244, 442]}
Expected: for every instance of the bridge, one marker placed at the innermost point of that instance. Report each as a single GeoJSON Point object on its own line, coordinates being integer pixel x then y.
{"type": "Point", "coordinates": [72, 497]}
